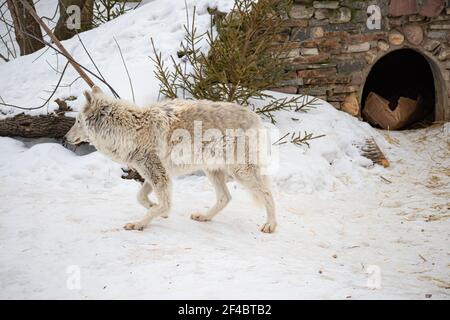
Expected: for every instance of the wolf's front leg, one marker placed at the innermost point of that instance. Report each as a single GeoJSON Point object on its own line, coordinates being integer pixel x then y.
{"type": "Point", "coordinates": [155, 174]}
{"type": "Point", "coordinates": [223, 196]}
{"type": "Point", "coordinates": [143, 194]}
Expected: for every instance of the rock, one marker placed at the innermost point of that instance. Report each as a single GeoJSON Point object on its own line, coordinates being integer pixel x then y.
{"type": "Point", "coordinates": [316, 66]}
{"type": "Point", "coordinates": [396, 38]}
{"type": "Point", "coordinates": [299, 23]}
{"type": "Point", "coordinates": [342, 15]}
{"type": "Point", "coordinates": [321, 14]}
{"type": "Point", "coordinates": [299, 34]}
{"type": "Point", "coordinates": [327, 81]}
{"type": "Point", "coordinates": [360, 47]}
{"type": "Point", "coordinates": [402, 7]}
{"type": "Point", "coordinates": [318, 73]}
{"type": "Point", "coordinates": [371, 56]}
{"type": "Point", "coordinates": [344, 89]}
{"type": "Point", "coordinates": [309, 51]}
{"type": "Point", "coordinates": [349, 66]}
{"type": "Point", "coordinates": [383, 45]}
{"type": "Point", "coordinates": [437, 34]}
{"type": "Point", "coordinates": [351, 105]}
{"type": "Point", "coordinates": [294, 81]}
{"type": "Point", "coordinates": [432, 8]}
{"type": "Point", "coordinates": [316, 91]}
{"type": "Point", "coordinates": [413, 33]}
{"type": "Point", "coordinates": [326, 4]}
{"type": "Point", "coordinates": [294, 53]}
{"type": "Point", "coordinates": [357, 78]}
{"type": "Point", "coordinates": [317, 32]}
{"type": "Point", "coordinates": [416, 18]}
{"type": "Point", "coordinates": [301, 12]}
{"type": "Point", "coordinates": [317, 23]}
{"type": "Point", "coordinates": [440, 26]}
{"type": "Point", "coordinates": [444, 54]}
{"type": "Point", "coordinates": [431, 45]}
{"type": "Point", "coordinates": [319, 58]}
{"type": "Point", "coordinates": [289, 89]}
{"type": "Point", "coordinates": [322, 43]}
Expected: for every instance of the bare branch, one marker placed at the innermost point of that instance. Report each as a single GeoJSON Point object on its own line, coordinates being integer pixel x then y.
{"type": "Point", "coordinates": [75, 62]}
{"type": "Point", "coordinates": [58, 43]}
{"type": "Point", "coordinates": [4, 58]}
{"type": "Point", "coordinates": [46, 101]}
{"type": "Point", "coordinates": [126, 69]}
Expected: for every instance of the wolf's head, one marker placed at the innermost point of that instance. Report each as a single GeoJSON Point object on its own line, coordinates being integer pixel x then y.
{"type": "Point", "coordinates": [96, 106]}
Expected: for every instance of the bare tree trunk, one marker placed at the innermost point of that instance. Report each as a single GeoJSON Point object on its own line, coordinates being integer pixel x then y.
{"type": "Point", "coordinates": [86, 7]}
{"type": "Point", "coordinates": [23, 21]}
{"type": "Point", "coordinates": [87, 15]}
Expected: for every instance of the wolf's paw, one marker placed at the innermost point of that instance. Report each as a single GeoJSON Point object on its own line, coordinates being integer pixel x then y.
{"type": "Point", "coordinates": [165, 215]}
{"type": "Point", "coordinates": [269, 227]}
{"type": "Point", "coordinates": [199, 217]}
{"type": "Point", "coordinates": [147, 204]}
{"type": "Point", "coordinates": [134, 226]}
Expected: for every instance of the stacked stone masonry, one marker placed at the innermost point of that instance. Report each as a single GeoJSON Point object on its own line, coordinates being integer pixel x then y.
{"type": "Point", "coordinates": [335, 43]}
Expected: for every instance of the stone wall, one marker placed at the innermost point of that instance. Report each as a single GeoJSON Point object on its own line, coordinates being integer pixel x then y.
{"type": "Point", "coordinates": [335, 48]}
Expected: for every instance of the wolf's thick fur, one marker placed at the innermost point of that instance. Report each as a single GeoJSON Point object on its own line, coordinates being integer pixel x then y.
{"type": "Point", "coordinates": [141, 139]}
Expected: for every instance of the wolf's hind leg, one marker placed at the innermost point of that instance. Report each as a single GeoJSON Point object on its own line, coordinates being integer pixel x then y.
{"type": "Point", "coordinates": [253, 181]}
{"type": "Point", "coordinates": [223, 196]}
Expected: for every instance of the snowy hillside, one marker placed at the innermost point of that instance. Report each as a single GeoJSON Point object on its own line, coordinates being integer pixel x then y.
{"type": "Point", "coordinates": [347, 229]}
{"type": "Point", "coordinates": [153, 19]}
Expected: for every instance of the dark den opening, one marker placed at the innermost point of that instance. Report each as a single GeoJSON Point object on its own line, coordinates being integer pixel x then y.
{"type": "Point", "coordinates": [403, 73]}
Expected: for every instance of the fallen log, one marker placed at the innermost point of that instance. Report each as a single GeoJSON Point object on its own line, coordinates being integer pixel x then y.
{"type": "Point", "coordinates": [27, 126]}
{"type": "Point", "coordinates": [378, 112]}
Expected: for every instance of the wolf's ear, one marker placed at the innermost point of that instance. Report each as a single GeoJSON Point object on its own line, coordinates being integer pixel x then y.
{"type": "Point", "coordinates": [105, 110]}
{"type": "Point", "coordinates": [88, 96]}
{"type": "Point", "coordinates": [96, 89]}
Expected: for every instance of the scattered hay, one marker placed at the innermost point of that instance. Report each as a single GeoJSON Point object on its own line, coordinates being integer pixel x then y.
{"type": "Point", "coordinates": [437, 217]}
{"type": "Point", "coordinates": [435, 182]}
{"type": "Point", "coordinates": [440, 283]}
{"type": "Point", "coordinates": [390, 139]}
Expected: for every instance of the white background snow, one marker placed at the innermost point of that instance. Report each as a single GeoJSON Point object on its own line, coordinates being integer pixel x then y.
{"type": "Point", "coordinates": [347, 230]}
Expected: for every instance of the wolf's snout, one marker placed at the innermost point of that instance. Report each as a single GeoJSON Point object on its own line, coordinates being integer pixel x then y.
{"type": "Point", "coordinates": [69, 139]}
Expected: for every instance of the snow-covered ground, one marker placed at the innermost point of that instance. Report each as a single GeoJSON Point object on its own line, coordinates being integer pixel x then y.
{"type": "Point", "coordinates": [347, 230]}
{"type": "Point", "coordinates": [344, 231]}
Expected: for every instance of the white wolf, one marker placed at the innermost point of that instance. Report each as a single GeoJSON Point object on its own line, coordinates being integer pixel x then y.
{"type": "Point", "coordinates": [142, 138]}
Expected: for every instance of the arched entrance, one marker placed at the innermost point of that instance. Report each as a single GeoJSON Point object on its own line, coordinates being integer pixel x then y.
{"type": "Point", "coordinates": [409, 74]}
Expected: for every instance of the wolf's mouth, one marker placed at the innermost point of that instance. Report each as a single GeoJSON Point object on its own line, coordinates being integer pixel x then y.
{"type": "Point", "coordinates": [76, 142]}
